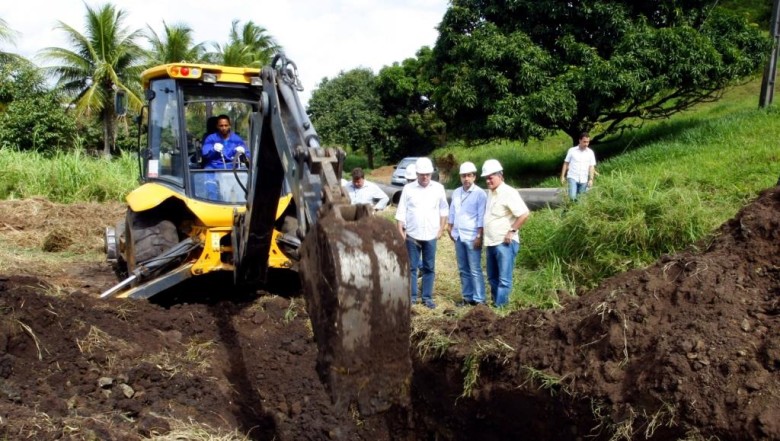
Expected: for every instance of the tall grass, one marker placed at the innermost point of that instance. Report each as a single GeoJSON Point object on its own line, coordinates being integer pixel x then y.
{"type": "Point", "coordinates": [66, 176]}
{"type": "Point", "coordinates": [656, 199]}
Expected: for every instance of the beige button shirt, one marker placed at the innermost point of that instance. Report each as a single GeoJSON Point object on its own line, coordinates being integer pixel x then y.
{"type": "Point", "coordinates": [504, 206]}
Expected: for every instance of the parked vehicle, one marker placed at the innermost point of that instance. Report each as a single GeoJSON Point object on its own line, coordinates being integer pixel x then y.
{"type": "Point", "coordinates": [398, 177]}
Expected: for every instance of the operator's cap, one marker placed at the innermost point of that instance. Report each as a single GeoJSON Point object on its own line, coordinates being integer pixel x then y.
{"type": "Point", "coordinates": [491, 166]}
{"type": "Point", "coordinates": [424, 166]}
{"type": "Point", "coordinates": [468, 167]}
{"type": "Point", "coordinates": [411, 172]}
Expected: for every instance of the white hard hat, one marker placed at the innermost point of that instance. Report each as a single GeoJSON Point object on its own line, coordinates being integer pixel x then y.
{"type": "Point", "coordinates": [491, 166]}
{"type": "Point", "coordinates": [468, 167]}
{"type": "Point", "coordinates": [424, 166]}
{"type": "Point", "coordinates": [411, 172]}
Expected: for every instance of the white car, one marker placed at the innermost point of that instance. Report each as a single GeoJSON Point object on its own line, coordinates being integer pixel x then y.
{"type": "Point", "coordinates": [399, 178]}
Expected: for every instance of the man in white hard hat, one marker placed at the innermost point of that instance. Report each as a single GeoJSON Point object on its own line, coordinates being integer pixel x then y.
{"type": "Point", "coordinates": [422, 218]}
{"type": "Point", "coordinates": [467, 214]}
{"type": "Point", "coordinates": [361, 191]}
{"type": "Point", "coordinates": [505, 213]}
{"type": "Point", "coordinates": [579, 167]}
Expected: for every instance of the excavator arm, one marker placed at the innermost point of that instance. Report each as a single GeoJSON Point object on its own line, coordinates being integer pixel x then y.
{"type": "Point", "coordinates": [353, 265]}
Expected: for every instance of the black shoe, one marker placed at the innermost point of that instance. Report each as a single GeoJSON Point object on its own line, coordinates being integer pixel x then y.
{"type": "Point", "coordinates": [473, 303]}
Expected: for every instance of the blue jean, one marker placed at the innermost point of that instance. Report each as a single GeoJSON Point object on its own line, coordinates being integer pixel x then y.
{"type": "Point", "coordinates": [500, 264]}
{"type": "Point", "coordinates": [470, 268]}
{"type": "Point", "coordinates": [421, 251]}
{"type": "Point", "coordinates": [576, 188]}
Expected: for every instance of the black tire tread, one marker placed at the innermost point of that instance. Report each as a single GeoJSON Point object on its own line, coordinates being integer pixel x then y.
{"type": "Point", "coordinates": [149, 237]}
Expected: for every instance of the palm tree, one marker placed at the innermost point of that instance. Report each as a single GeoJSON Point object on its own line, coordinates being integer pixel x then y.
{"type": "Point", "coordinates": [175, 46]}
{"type": "Point", "coordinates": [7, 35]}
{"type": "Point", "coordinates": [249, 46]}
{"type": "Point", "coordinates": [104, 60]}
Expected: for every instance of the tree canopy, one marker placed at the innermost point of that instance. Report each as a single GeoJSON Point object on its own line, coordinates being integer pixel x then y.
{"type": "Point", "coordinates": [102, 60]}
{"type": "Point", "coordinates": [31, 117]}
{"type": "Point", "coordinates": [175, 45]}
{"type": "Point", "coordinates": [404, 91]}
{"type": "Point", "coordinates": [527, 68]}
{"type": "Point", "coordinates": [346, 111]}
{"type": "Point", "coordinates": [249, 45]}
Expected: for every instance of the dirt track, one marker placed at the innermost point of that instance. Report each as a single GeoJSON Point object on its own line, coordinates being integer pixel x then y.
{"type": "Point", "coordinates": [688, 348]}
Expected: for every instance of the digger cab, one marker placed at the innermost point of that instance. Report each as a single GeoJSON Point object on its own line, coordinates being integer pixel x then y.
{"type": "Point", "coordinates": [181, 100]}
{"type": "Point", "coordinates": [182, 201]}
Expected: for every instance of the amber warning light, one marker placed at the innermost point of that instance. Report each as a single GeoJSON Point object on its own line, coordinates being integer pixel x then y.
{"type": "Point", "coordinates": [185, 72]}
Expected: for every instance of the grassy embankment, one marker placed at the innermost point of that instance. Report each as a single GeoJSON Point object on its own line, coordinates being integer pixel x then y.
{"type": "Point", "coordinates": [661, 188]}
{"type": "Point", "coordinates": [66, 176]}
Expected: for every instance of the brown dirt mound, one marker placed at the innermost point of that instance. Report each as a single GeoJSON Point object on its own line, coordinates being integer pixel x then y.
{"type": "Point", "coordinates": [80, 368]}
{"type": "Point", "coordinates": [688, 348]}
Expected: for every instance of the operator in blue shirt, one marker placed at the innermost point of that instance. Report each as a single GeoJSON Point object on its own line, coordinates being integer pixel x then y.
{"type": "Point", "coordinates": [220, 147]}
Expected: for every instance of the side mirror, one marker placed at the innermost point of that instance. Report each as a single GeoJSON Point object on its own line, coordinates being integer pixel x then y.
{"type": "Point", "coordinates": [120, 103]}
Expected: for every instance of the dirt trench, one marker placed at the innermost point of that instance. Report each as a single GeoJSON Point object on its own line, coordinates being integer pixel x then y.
{"type": "Point", "coordinates": [688, 348]}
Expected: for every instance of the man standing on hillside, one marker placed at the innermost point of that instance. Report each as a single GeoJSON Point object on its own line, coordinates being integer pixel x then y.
{"type": "Point", "coordinates": [467, 214]}
{"type": "Point", "coordinates": [505, 213]}
{"type": "Point", "coordinates": [422, 218]}
{"type": "Point", "coordinates": [579, 167]}
{"type": "Point", "coordinates": [361, 191]}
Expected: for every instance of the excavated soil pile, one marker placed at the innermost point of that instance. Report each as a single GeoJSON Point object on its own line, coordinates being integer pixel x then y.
{"type": "Point", "coordinates": [686, 349]}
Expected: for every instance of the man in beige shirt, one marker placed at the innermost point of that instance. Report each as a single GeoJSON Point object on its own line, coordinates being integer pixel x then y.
{"type": "Point", "coordinates": [505, 213]}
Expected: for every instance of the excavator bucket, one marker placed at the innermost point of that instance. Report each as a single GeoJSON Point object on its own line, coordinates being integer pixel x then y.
{"type": "Point", "coordinates": [355, 276]}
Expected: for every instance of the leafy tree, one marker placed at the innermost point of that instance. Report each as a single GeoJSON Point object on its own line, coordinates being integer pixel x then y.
{"type": "Point", "coordinates": [104, 59]}
{"type": "Point", "coordinates": [250, 45]}
{"type": "Point", "coordinates": [7, 35]}
{"type": "Point", "coordinates": [346, 111]}
{"type": "Point", "coordinates": [32, 117]}
{"type": "Point", "coordinates": [527, 68]}
{"type": "Point", "coordinates": [175, 45]}
{"type": "Point", "coordinates": [413, 126]}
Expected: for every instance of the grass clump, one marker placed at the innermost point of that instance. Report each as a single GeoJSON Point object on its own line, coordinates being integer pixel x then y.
{"type": "Point", "coordinates": [546, 381]}
{"type": "Point", "coordinates": [66, 176]}
{"type": "Point", "coordinates": [481, 351]}
{"type": "Point", "coordinates": [625, 223]}
{"type": "Point", "coordinates": [432, 343]}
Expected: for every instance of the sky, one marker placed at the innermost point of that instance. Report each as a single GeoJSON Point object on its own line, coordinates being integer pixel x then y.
{"type": "Point", "coordinates": [322, 37]}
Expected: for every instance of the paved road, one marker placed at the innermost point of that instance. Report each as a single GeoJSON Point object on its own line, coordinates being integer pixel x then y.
{"type": "Point", "coordinates": [535, 198]}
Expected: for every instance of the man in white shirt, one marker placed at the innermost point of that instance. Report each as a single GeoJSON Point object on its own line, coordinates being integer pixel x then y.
{"type": "Point", "coordinates": [505, 213]}
{"type": "Point", "coordinates": [422, 217]}
{"type": "Point", "coordinates": [579, 167]}
{"type": "Point", "coordinates": [467, 214]}
{"type": "Point", "coordinates": [361, 191]}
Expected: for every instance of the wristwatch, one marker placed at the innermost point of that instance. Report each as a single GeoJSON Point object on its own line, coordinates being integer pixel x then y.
{"type": "Point", "coordinates": [513, 231]}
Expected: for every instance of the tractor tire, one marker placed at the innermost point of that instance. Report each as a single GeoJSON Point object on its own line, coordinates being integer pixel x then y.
{"type": "Point", "coordinates": [147, 236]}
{"type": "Point", "coordinates": [120, 266]}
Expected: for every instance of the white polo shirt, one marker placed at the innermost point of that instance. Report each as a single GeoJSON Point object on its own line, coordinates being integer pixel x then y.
{"type": "Point", "coordinates": [421, 209]}
{"type": "Point", "coordinates": [580, 162]}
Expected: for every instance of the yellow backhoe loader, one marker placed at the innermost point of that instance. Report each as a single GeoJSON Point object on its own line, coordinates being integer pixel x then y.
{"type": "Point", "coordinates": [280, 204]}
